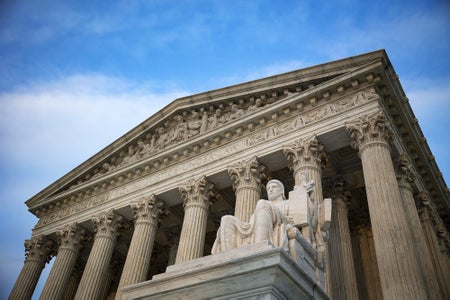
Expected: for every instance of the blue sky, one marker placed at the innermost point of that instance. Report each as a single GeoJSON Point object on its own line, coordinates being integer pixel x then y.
{"type": "Point", "coordinates": [76, 75]}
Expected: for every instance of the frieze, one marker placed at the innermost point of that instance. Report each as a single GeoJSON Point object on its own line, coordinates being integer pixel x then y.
{"type": "Point", "coordinates": [319, 113]}
{"type": "Point", "coordinates": [313, 116]}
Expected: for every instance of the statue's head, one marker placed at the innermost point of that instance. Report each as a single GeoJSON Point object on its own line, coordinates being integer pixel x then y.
{"type": "Point", "coordinates": [275, 188]}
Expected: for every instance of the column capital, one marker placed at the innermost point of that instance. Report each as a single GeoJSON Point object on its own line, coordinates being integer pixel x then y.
{"type": "Point", "coordinates": [108, 224]}
{"type": "Point", "coordinates": [148, 209]}
{"type": "Point", "coordinates": [198, 192]}
{"type": "Point", "coordinates": [247, 173]}
{"type": "Point", "coordinates": [39, 249]}
{"type": "Point", "coordinates": [305, 152]}
{"type": "Point", "coordinates": [369, 130]}
{"type": "Point", "coordinates": [405, 174]}
{"type": "Point", "coordinates": [71, 236]}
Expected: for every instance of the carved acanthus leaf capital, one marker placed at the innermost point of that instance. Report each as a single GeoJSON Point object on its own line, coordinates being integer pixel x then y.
{"type": "Point", "coordinates": [39, 249]}
{"type": "Point", "coordinates": [71, 236]}
{"type": "Point", "coordinates": [198, 192]}
{"type": "Point", "coordinates": [305, 152]}
{"type": "Point", "coordinates": [108, 223]}
{"type": "Point", "coordinates": [249, 173]}
{"type": "Point", "coordinates": [149, 209]}
{"type": "Point", "coordinates": [370, 129]}
{"type": "Point", "coordinates": [405, 174]}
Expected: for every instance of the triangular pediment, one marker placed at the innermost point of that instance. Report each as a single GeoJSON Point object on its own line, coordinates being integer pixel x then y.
{"type": "Point", "coordinates": [203, 119]}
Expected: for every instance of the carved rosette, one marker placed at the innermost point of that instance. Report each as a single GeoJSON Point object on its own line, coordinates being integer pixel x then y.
{"type": "Point", "coordinates": [108, 224]}
{"type": "Point", "coordinates": [39, 249]}
{"type": "Point", "coordinates": [198, 192]}
{"type": "Point", "coordinates": [369, 130]}
{"type": "Point", "coordinates": [405, 175]}
{"type": "Point", "coordinates": [149, 209]}
{"type": "Point", "coordinates": [247, 174]}
{"type": "Point", "coordinates": [303, 153]}
{"type": "Point", "coordinates": [71, 237]}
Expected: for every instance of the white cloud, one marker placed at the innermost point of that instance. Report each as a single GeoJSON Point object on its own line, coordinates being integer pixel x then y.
{"type": "Point", "coordinates": [73, 117]}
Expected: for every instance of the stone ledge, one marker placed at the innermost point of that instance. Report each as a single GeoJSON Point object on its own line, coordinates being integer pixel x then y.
{"type": "Point", "coordinates": [258, 270]}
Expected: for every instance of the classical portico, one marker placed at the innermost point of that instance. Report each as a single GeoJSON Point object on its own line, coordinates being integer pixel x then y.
{"type": "Point", "coordinates": [155, 196]}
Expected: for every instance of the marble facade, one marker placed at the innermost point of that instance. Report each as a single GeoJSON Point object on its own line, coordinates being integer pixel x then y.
{"type": "Point", "coordinates": [151, 202]}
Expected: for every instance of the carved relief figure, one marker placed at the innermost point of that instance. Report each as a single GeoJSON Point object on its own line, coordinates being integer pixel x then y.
{"type": "Point", "coordinates": [270, 221]}
{"type": "Point", "coordinates": [236, 112]}
{"type": "Point", "coordinates": [197, 125]}
{"type": "Point", "coordinates": [179, 132]}
{"type": "Point", "coordinates": [258, 104]}
{"type": "Point", "coordinates": [216, 119]}
{"type": "Point", "coordinates": [160, 139]}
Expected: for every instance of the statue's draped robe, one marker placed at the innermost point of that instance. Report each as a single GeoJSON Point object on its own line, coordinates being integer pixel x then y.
{"type": "Point", "coordinates": [270, 221]}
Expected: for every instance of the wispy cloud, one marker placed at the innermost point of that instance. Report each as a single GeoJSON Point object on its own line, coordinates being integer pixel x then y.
{"type": "Point", "coordinates": [73, 117]}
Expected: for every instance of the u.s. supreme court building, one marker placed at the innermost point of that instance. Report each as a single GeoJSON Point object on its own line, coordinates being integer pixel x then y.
{"type": "Point", "coordinates": [365, 212]}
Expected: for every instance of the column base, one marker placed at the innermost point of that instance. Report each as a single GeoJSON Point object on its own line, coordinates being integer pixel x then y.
{"type": "Point", "coordinates": [257, 271]}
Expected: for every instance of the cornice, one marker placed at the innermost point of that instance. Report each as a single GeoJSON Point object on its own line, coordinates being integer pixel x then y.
{"type": "Point", "coordinates": [305, 78]}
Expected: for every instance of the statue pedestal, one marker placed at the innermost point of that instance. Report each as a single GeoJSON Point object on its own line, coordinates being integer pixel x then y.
{"type": "Point", "coordinates": [257, 271]}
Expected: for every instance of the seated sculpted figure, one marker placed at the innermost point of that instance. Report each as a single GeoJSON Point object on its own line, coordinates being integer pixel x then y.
{"type": "Point", "coordinates": [270, 221]}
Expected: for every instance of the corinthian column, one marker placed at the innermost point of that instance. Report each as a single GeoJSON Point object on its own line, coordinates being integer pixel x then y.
{"type": "Point", "coordinates": [197, 197]}
{"type": "Point", "coordinates": [343, 278]}
{"type": "Point", "coordinates": [405, 178]}
{"type": "Point", "coordinates": [246, 176]}
{"type": "Point", "coordinates": [398, 263]}
{"type": "Point", "coordinates": [305, 158]}
{"type": "Point", "coordinates": [107, 227]}
{"type": "Point", "coordinates": [147, 213]}
{"type": "Point", "coordinates": [427, 214]}
{"type": "Point", "coordinates": [69, 238]}
{"type": "Point", "coordinates": [38, 251]}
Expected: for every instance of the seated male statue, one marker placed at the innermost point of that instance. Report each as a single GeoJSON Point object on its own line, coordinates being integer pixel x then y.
{"type": "Point", "coordinates": [270, 221]}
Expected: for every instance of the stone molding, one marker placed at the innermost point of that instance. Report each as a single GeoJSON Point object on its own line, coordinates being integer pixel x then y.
{"type": "Point", "coordinates": [75, 203]}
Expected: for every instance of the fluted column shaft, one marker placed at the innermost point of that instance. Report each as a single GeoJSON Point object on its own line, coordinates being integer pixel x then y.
{"type": "Point", "coordinates": [91, 283]}
{"type": "Point", "coordinates": [173, 237]}
{"type": "Point", "coordinates": [146, 213]}
{"type": "Point", "coordinates": [343, 278]}
{"type": "Point", "coordinates": [370, 266]}
{"type": "Point", "coordinates": [197, 196]}
{"type": "Point", "coordinates": [437, 257]}
{"type": "Point", "coordinates": [246, 176]}
{"type": "Point", "coordinates": [70, 237]}
{"type": "Point", "coordinates": [37, 252]}
{"type": "Point", "coordinates": [397, 261]}
{"type": "Point", "coordinates": [405, 178]}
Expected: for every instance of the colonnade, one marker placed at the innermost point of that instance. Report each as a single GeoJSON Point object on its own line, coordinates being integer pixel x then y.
{"type": "Point", "coordinates": [385, 252]}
